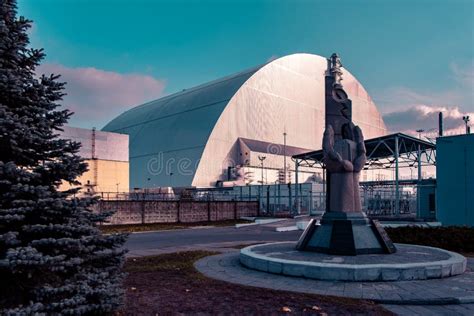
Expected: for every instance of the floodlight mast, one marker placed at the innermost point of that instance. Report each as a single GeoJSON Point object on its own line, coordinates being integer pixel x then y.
{"type": "Point", "coordinates": [419, 131]}
{"type": "Point", "coordinates": [466, 120]}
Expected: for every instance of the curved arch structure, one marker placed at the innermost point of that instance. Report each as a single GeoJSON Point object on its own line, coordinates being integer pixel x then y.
{"type": "Point", "coordinates": [194, 134]}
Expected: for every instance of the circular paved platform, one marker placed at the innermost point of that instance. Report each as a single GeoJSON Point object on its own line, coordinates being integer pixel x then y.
{"type": "Point", "coordinates": [453, 290]}
{"type": "Point", "coordinates": [410, 262]}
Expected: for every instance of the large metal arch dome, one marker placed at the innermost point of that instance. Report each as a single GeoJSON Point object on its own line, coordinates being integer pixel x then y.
{"type": "Point", "coordinates": [192, 133]}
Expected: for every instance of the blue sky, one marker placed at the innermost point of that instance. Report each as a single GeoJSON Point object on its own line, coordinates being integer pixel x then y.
{"type": "Point", "coordinates": [414, 57]}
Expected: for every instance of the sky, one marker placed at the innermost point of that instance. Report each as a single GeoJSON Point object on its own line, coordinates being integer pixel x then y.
{"type": "Point", "coordinates": [415, 58]}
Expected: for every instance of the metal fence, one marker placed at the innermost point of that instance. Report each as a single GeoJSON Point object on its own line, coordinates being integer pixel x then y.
{"type": "Point", "coordinates": [310, 199]}
{"type": "Point", "coordinates": [383, 202]}
{"type": "Point", "coordinates": [305, 199]}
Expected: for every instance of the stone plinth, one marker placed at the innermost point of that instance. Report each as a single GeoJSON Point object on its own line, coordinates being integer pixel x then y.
{"type": "Point", "coordinates": [350, 233]}
{"type": "Point", "coordinates": [410, 262]}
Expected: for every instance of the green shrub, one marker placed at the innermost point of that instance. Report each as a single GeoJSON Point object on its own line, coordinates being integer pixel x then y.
{"type": "Point", "coordinates": [454, 238]}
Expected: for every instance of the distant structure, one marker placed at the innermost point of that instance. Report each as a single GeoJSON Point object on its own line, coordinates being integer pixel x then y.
{"type": "Point", "coordinates": [107, 156]}
{"type": "Point", "coordinates": [200, 135]}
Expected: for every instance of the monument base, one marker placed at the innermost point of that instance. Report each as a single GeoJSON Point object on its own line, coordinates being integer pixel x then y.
{"type": "Point", "coordinates": [411, 262]}
{"type": "Point", "coordinates": [342, 233]}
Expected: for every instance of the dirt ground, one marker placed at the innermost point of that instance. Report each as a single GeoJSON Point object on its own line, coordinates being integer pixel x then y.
{"type": "Point", "coordinates": [169, 285]}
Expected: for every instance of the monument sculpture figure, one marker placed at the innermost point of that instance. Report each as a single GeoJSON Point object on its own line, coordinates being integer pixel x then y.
{"type": "Point", "coordinates": [344, 159]}
{"type": "Point", "coordinates": [344, 228]}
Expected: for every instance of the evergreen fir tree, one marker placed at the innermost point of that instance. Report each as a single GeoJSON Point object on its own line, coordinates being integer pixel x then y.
{"type": "Point", "coordinates": [53, 258]}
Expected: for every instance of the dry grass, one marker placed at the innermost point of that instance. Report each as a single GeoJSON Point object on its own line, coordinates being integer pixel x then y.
{"type": "Point", "coordinates": [453, 238]}
{"type": "Point", "coordinates": [169, 285]}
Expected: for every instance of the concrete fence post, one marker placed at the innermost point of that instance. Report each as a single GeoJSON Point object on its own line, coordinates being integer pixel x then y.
{"type": "Point", "coordinates": [208, 210]}
{"type": "Point", "coordinates": [178, 211]}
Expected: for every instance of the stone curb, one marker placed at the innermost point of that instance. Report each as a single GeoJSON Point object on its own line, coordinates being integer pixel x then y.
{"type": "Point", "coordinates": [437, 301]}
{"type": "Point", "coordinates": [205, 266]}
{"type": "Point", "coordinates": [286, 228]}
{"type": "Point", "coordinates": [261, 222]}
{"type": "Point", "coordinates": [455, 265]}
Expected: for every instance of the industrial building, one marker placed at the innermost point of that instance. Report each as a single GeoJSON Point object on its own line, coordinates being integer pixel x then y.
{"type": "Point", "coordinates": [107, 157]}
{"type": "Point", "coordinates": [241, 129]}
{"type": "Point", "coordinates": [455, 181]}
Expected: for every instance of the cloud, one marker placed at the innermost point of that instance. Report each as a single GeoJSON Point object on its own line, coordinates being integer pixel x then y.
{"type": "Point", "coordinates": [426, 117]}
{"type": "Point", "coordinates": [96, 96]}
{"type": "Point", "coordinates": [406, 110]}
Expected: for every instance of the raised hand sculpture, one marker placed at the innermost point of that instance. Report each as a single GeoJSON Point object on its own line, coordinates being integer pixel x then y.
{"type": "Point", "coordinates": [344, 159]}
{"type": "Point", "coordinates": [344, 228]}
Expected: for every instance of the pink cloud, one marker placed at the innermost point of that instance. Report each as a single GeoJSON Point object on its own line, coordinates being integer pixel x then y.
{"type": "Point", "coordinates": [406, 110]}
{"type": "Point", "coordinates": [96, 96]}
{"type": "Point", "coordinates": [426, 117]}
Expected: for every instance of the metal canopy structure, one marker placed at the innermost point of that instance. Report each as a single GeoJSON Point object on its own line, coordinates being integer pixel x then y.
{"type": "Point", "coordinates": [390, 151]}
{"type": "Point", "coordinates": [383, 152]}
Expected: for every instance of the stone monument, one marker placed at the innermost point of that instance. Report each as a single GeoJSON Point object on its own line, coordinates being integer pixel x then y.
{"type": "Point", "coordinates": [344, 228]}
{"type": "Point", "coordinates": [346, 245]}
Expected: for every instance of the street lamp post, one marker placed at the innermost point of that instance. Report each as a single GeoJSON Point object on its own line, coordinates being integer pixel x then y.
{"type": "Point", "coordinates": [262, 158]}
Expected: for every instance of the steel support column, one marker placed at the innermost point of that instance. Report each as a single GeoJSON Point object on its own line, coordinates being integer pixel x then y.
{"type": "Point", "coordinates": [397, 189]}
{"type": "Point", "coordinates": [324, 189]}
{"type": "Point", "coordinates": [279, 197]}
{"type": "Point", "coordinates": [418, 186]}
{"type": "Point", "coordinates": [297, 198]}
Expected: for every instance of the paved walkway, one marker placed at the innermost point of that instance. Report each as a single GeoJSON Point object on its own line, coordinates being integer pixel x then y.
{"type": "Point", "coordinates": [450, 296]}
{"type": "Point", "coordinates": [153, 243]}
{"type": "Point", "coordinates": [448, 310]}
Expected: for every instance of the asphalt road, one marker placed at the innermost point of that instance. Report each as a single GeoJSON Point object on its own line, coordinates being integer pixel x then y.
{"type": "Point", "coordinates": [149, 243]}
